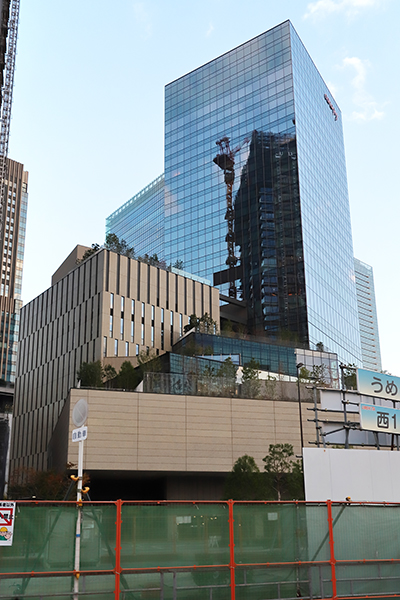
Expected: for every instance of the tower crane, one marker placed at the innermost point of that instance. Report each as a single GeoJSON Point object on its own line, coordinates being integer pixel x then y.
{"type": "Point", "coordinates": [6, 101]}
{"type": "Point", "coordinates": [225, 160]}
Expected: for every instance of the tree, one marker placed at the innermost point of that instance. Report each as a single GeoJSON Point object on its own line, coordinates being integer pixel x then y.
{"type": "Point", "coordinates": [269, 387]}
{"type": "Point", "coordinates": [244, 482]}
{"type": "Point", "coordinates": [26, 483]}
{"type": "Point", "coordinates": [207, 324]}
{"type": "Point", "coordinates": [95, 375]}
{"type": "Point", "coordinates": [319, 375]}
{"type": "Point", "coordinates": [304, 375]}
{"type": "Point", "coordinates": [114, 244]}
{"type": "Point", "coordinates": [251, 385]}
{"type": "Point", "coordinates": [149, 361]}
{"type": "Point", "coordinates": [320, 347]}
{"type": "Point", "coordinates": [193, 323]}
{"type": "Point", "coordinates": [227, 375]}
{"type": "Point", "coordinates": [91, 374]}
{"type": "Point", "coordinates": [128, 376]}
{"type": "Point", "coordinates": [350, 377]}
{"type": "Point", "coordinates": [178, 264]}
{"type": "Point", "coordinates": [279, 466]}
{"type": "Point", "coordinates": [88, 253]}
{"type": "Point", "coordinates": [204, 324]}
{"type": "Point", "coordinates": [109, 373]}
{"type": "Point", "coordinates": [207, 380]}
{"type": "Point", "coordinates": [153, 260]}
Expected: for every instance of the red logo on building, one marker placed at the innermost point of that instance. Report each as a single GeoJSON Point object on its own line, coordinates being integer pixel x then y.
{"type": "Point", "coordinates": [331, 107]}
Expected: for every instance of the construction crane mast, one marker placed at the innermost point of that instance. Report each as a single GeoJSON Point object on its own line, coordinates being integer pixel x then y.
{"type": "Point", "coordinates": [6, 102]}
{"type": "Point", "coordinates": [225, 160]}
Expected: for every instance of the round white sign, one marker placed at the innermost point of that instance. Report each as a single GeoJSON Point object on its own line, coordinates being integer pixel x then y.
{"type": "Point", "coordinates": [80, 413]}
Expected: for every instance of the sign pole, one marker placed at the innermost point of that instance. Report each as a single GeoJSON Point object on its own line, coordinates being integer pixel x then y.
{"type": "Point", "coordinates": [79, 416]}
{"type": "Point", "coordinates": [78, 521]}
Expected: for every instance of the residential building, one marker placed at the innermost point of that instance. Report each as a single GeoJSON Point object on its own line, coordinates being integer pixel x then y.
{"type": "Point", "coordinates": [291, 217]}
{"type": "Point", "coordinates": [370, 346]}
{"type": "Point", "coordinates": [107, 308]}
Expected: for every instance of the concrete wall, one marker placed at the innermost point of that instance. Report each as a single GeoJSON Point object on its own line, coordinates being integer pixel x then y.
{"type": "Point", "coordinates": [69, 263]}
{"type": "Point", "coordinates": [131, 431]}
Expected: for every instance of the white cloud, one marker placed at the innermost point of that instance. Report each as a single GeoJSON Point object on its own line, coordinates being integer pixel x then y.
{"type": "Point", "coordinates": [351, 8]}
{"type": "Point", "coordinates": [367, 107]}
{"type": "Point", "coordinates": [142, 18]}
{"type": "Point", "coordinates": [210, 30]}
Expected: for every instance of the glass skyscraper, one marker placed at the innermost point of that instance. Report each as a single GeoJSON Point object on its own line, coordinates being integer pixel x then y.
{"type": "Point", "coordinates": [291, 214]}
{"type": "Point", "coordinates": [144, 234]}
{"type": "Point", "coordinates": [369, 332]}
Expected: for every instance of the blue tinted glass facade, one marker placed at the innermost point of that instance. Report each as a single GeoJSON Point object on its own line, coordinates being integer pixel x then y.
{"type": "Point", "coordinates": [291, 219]}
{"type": "Point", "coordinates": [325, 211]}
{"type": "Point", "coordinates": [368, 318]}
{"type": "Point", "coordinates": [291, 208]}
{"type": "Point", "coordinates": [140, 220]}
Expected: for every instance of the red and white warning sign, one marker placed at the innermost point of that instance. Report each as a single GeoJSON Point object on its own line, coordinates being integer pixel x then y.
{"type": "Point", "coordinates": [7, 514]}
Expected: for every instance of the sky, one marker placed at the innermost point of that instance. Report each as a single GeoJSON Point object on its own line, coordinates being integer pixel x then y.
{"type": "Point", "coordinates": [88, 114]}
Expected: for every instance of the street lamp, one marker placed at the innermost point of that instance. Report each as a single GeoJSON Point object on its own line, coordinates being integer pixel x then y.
{"type": "Point", "coordinates": [298, 367]}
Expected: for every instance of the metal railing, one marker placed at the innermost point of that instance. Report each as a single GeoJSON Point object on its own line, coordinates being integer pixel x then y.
{"type": "Point", "coordinates": [216, 550]}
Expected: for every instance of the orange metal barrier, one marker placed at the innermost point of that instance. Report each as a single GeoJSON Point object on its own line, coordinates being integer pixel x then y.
{"type": "Point", "coordinates": [217, 550]}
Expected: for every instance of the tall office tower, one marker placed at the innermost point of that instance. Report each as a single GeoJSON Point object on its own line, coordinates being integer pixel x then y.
{"type": "Point", "coordinates": [291, 217]}
{"type": "Point", "coordinates": [371, 351]}
{"type": "Point", "coordinates": [146, 234]}
{"type": "Point", "coordinates": [13, 247]}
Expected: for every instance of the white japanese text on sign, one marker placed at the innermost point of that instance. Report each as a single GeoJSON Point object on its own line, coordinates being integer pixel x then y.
{"type": "Point", "coordinates": [80, 434]}
{"type": "Point", "coordinates": [380, 385]}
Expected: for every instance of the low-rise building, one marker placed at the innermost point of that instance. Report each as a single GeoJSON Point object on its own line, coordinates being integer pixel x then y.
{"type": "Point", "coordinates": [107, 308]}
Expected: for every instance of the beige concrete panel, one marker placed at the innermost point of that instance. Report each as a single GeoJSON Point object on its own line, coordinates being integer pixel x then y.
{"type": "Point", "coordinates": [206, 300]}
{"type": "Point", "coordinates": [181, 294]}
{"type": "Point", "coordinates": [210, 465]}
{"type": "Point", "coordinates": [172, 287]}
{"type": "Point", "coordinates": [189, 297]}
{"type": "Point", "coordinates": [153, 284]}
{"type": "Point", "coordinates": [163, 288]}
{"type": "Point", "coordinates": [143, 282]}
{"type": "Point", "coordinates": [112, 280]}
{"type": "Point", "coordinates": [215, 304]}
{"type": "Point", "coordinates": [123, 276]}
{"type": "Point", "coordinates": [157, 327]}
{"type": "Point", "coordinates": [198, 300]}
{"type": "Point", "coordinates": [86, 279]}
{"type": "Point", "coordinates": [133, 282]}
{"type": "Point", "coordinates": [69, 263]}
{"type": "Point", "coordinates": [101, 271]}
{"type": "Point", "coordinates": [105, 315]}
{"type": "Point", "coordinates": [147, 327]}
{"type": "Point", "coordinates": [175, 327]}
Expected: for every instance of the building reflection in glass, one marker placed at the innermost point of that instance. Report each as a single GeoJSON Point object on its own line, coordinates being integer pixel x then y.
{"type": "Point", "coordinates": [268, 235]}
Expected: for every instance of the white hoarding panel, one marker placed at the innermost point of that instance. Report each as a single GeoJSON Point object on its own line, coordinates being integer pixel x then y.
{"type": "Point", "coordinates": [364, 475]}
